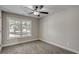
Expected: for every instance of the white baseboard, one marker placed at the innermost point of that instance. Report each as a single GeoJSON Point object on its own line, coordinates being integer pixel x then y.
{"type": "Point", "coordinates": [18, 43]}
{"type": "Point", "coordinates": [72, 50]}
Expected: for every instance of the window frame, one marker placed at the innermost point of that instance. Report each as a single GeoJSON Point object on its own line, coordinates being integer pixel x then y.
{"type": "Point", "coordinates": [20, 27]}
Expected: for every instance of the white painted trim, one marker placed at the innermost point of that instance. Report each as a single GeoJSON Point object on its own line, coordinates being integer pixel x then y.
{"type": "Point", "coordinates": [5, 45]}
{"type": "Point", "coordinates": [72, 50]}
{"type": "Point", "coordinates": [0, 50]}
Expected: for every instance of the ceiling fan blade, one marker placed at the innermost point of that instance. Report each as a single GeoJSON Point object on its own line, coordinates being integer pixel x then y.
{"type": "Point", "coordinates": [30, 13]}
{"type": "Point", "coordinates": [28, 8]}
{"type": "Point", "coordinates": [44, 12]}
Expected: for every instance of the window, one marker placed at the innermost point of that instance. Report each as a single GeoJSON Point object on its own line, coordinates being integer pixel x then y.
{"type": "Point", "coordinates": [19, 28]}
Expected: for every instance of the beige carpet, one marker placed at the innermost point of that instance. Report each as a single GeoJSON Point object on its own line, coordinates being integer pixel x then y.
{"type": "Point", "coordinates": [35, 47]}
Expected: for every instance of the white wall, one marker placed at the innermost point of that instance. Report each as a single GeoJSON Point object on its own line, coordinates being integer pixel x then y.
{"type": "Point", "coordinates": [62, 29]}
{"type": "Point", "coordinates": [7, 42]}
{"type": "Point", "coordinates": [0, 30]}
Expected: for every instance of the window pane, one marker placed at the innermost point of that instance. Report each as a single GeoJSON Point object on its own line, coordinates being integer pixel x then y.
{"type": "Point", "coordinates": [14, 28]}
{"type": "Point", "coordinates": [26, 28]}
{"type": "Point", "coordinates": [19, 28]}
{"type": "Point", "coordinates": [11, 35]}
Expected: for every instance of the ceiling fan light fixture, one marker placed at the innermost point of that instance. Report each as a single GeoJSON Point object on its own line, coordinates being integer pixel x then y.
{"type": "Point", "coordinates": [36, 13]}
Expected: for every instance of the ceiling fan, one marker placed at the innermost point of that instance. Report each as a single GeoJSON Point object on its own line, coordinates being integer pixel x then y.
{"type": "Point", "coordinates": [36, 10]}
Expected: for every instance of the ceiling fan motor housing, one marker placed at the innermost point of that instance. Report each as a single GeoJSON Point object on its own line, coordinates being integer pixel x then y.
{"type": "Point", "coordinates": [36, 7]}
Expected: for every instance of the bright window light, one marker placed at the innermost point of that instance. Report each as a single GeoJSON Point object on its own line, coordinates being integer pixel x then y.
{"type": "Point", "coordinates": [19, 28]}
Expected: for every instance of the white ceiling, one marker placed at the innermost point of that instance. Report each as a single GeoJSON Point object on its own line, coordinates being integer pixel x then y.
{"type": "Point", "coordinates": [24, 9]}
